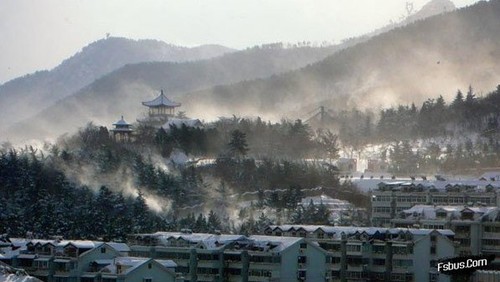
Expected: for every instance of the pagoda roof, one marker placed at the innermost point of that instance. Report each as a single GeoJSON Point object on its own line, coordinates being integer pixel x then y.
{"type": "Point", "coordinates": [121, 122]}
{"type": "Point", "coordinates": [161, 100]}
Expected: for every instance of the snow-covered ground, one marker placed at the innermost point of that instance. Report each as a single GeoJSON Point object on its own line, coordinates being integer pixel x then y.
{"type": "Point", "coordinates": [17, 278]}
{"type": "Point", "coordinates": [10, 274]}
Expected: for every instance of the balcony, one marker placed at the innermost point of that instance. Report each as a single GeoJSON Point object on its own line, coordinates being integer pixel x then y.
{"type": "Point", "coordinates": [355, 267]}
{"type": "Point", "coordinates": [208, 263]}
{"type": "Point", "coordinates": [489, 235]}
{"type": "Point", "coordinates": [264, 266]}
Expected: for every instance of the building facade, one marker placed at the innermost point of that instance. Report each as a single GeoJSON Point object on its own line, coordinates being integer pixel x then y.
{"type": "Point", "coordinates": [377, 254]}
{"type": "Point", "coordinates": [389, 199]}
{"type": "Point", "coordinates": [211, 257]}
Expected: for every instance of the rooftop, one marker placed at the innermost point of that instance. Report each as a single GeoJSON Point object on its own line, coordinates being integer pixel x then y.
{"type": "Point", "coordinates": [161, 100]}
{"type": "Point", "coordinates": [351, 230]}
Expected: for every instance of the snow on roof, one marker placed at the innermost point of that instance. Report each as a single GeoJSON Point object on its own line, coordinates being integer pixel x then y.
{"type": "Point", "coordinates": [39, 241]}
{"type": "Point", "coordinates": [132, 263]}
{"type": "Point", "coordinates": [350, 230]}
{"type": "Point", "coordinates": [167, 263]}
{"type": "Point", "coordinates": [19, 242]}
{"type": "Point", "coordinates": [83, 244]}
{"type": "Point", "coordinates": [429, 211]}
{"type": "Point", "coordinates": [491, 175]}
{"type": "Point", "coordinates": [8, 253]}
{"type": "Point", "coordinates": [211, 241]}
{"type": "Point", "coordinates": [281, 241]}
{"type": "Point", "coordinates": [331, 203]}
{"type": "Point", "coordinates": [161, 100]}
{"type": "Point", "coordinates": [369, 184]}
{"type": "Point", "coordinates": [120, 247]}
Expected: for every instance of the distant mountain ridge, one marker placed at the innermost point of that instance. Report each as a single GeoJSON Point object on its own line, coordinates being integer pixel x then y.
{"type": "Point", "coordinates": [430, 57]}
{"type": "Point", "coordinates": [22, 97]}
{"type": "Point", "coordinates": [236, 83]}
{"type": "Point", "coordinates": [432, 8]}
{"type": "Point", "coordinates": [121, 92]}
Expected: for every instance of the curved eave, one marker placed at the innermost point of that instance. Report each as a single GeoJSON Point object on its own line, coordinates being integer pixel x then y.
{"type": "Point", "coordinates": [156, 105]}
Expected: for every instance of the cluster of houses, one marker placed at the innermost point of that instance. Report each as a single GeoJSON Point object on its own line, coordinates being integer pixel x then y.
{"type": "Point", "coordinates": [83, 261]}
{"type": "Point", "coordinates": [284, 253]}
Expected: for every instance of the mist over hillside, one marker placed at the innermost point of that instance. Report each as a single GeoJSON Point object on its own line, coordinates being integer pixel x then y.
{"type": "Point", "coordinates": [121, 92]}
{"type": "Point", "coordinates": [23, 97]}
{"type": "Point", "coordinates": [431, 57]}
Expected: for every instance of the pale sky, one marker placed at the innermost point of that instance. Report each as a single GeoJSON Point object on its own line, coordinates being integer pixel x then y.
{"type": "Point", "coordinates": [39, 34]}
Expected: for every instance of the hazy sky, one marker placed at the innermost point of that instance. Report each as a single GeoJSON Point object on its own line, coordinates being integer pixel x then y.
{"type": "Point", "coordinates": [39, 34]}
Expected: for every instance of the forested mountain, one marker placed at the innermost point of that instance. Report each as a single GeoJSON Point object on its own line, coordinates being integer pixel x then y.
{"type": "Point", "coordinates": [121, 92]}
{"type": "Point", "coordinates": [89, 186]}
{"type": "Point", "coordinates": [427, 58]}
{"type": "Point", "coordinates": [25, 96]}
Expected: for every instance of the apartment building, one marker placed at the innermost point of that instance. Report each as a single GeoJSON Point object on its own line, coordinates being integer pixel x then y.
{"type": "Point", "coordinates": [376, 254]}
{"type": "Point", "coordinates": [473, 226]}
{"type": "Point", "coordinates": [389, 199]}
{"type": "Point", "coordinates": [214, 257]}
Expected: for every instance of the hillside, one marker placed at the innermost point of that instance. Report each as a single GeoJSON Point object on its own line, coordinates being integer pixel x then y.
{"type": "Point", "coordinates": [25, 96]}
{"type": "Point", "coordinates": [427, 58]}
{"type": "Point", "coordinates": [121, 92]}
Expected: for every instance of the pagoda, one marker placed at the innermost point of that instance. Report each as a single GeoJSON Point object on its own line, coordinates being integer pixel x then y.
{"type": "Point", "coordinates": [160, 110]}
{"type": "Point", "coordinates": [122, 131]}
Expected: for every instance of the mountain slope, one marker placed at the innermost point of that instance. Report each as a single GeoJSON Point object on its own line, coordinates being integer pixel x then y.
{"type": "Point", "coordinates": [424, 59]}
{"type": "Point", "coordinates": [121, 92]}
{"type": "Point", "coordinates": [23, 97]}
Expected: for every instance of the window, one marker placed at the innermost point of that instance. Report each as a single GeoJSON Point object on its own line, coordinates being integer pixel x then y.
{"type": "Point", "coordinates": [335, 260]}
{"type": "Point", "coordinates": [353, 248]}
{"type": "Point", "coordinates": [301, 274]}
{"type": "Point", "coordinates": [147, 280]}
{"type": "Point", "coordinates": [103, 250]}
{"type": "Point", "coordinates": [303, 245]}
{"type": "Point", "coordinates": [378, 249]}
{"type": "Point", "coordinates": [379, 262]}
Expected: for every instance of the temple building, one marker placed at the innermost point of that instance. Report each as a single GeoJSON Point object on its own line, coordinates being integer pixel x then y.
{"type": "Point", "coordinates": [122, 131]}
{"type": "Point", "coordinates": [160, 110]}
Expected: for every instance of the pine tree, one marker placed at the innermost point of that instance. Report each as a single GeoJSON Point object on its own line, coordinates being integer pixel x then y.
{"type": "Point", "coordinates": [213, 222]}
{"type": "Point", "coordinates": [238, 145]}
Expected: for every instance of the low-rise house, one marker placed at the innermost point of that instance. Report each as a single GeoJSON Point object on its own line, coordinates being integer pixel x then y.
{"type": "Point", "coordinates": [64, 261]}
